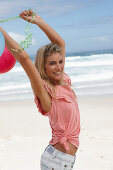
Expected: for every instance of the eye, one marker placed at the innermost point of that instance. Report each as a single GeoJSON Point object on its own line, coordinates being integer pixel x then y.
{"type": "Point", "coordinates": [52, 63]}
{"type": "Point", "coordinates": [61, 61]}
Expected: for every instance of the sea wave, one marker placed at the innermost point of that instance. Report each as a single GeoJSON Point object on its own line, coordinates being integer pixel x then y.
{"type": "Point", "coordinates": [14, 87]}
{"type": "Point", "coordinates": [93, 77]}
{"type": "Point", "coordinates": [91, 74]}
{"type": "Point", "coordinates": [17, 69]}
{"type": "Point", "coordinates": [89, 63]}
{"type": "Point", "coordinates": [94, 56]}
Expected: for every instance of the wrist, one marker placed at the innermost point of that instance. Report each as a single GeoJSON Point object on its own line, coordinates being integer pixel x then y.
{"type": "Point", "coordinates": [1, 29]}
{"type": "Point", "coordinates": [37, 19]}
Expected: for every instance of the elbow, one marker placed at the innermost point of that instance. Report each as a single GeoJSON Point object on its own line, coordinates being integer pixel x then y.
{"type": "Point", "coordinates": [63, 43]}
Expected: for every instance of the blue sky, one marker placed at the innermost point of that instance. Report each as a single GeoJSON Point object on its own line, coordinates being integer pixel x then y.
{"type": "Point", "coordinates": [84, 24]}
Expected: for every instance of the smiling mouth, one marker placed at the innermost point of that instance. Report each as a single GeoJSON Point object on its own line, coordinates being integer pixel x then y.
{"type": "Point", "coordinates": [57, 73]}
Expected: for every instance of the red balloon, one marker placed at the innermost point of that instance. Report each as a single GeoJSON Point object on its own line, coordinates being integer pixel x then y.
{"type": "Point", "coordinates": [7, 61]}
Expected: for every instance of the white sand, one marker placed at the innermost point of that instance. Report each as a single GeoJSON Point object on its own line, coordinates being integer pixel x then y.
{"type": "Point", "coordinates": [24, 134]}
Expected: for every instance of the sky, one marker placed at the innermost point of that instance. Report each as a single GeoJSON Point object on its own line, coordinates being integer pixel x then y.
{"type": "Point", "coordinates": [85, 25]}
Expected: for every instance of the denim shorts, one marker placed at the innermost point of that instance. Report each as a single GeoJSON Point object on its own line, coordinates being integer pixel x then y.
{"type": "Point", "coordinates": [53, 159]}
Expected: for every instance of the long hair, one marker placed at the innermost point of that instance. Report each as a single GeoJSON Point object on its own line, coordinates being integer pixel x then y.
{"type": "Point", "coordinates": [41, 56]}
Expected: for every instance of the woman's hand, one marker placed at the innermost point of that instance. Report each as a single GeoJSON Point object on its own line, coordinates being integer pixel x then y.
{"type": "Point", "coordinates": [29, 16]}
{"type": "Point", "coordinates": [54, 37]}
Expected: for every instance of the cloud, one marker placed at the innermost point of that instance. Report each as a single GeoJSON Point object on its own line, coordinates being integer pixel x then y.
{"type": "Point", "coordinates": [4, 9]}
{"type": "Point", "coordinates": [103, 20]}
{"type": "Point", "coordinates": [45, 7]}
{"type": "Point", "coordinates": [99, 38]}
{"type": "Point", "coordinates": [89, 23]}
{"type": "Point", "coordinates": [8, 8]}
{"type": "Point", "coordinates": [18, 38]}
{"type": "Point", "coordinates": [58, 7]}
{"type": "Point", "coordinates": [12, 6]}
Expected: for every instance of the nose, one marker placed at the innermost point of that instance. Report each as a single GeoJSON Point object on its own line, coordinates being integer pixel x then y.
{"type": "Point", "coordinates": [58, 67]}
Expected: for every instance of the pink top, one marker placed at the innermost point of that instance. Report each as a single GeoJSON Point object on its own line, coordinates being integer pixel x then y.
{"type": "Point", "coordinates": [64, 115]}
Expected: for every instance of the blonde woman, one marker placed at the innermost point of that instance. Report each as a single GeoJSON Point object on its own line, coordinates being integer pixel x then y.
{"type": "Point", "coordinates": [53, 95]}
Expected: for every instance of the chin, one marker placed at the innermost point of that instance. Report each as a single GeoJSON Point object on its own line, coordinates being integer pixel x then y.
{"type": "Point", "coordinates": [58, 79]}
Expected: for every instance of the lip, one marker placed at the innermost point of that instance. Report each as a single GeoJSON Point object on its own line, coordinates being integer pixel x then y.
{"type": "Point", "coordinates": [57, 73]}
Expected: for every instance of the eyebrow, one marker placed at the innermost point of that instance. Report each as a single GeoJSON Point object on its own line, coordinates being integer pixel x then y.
{"type": "Point", "coordinates": [55, 61]}
{"type": "Point", "coordinates": [52, 61]}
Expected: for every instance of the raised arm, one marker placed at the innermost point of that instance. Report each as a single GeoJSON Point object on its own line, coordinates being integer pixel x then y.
{"type": "Point", "coordinates": [26, 62]}
{"type": "Point", "coordinates": [53, 36]}
{"type": "Point", "coordinates": [31, 71]}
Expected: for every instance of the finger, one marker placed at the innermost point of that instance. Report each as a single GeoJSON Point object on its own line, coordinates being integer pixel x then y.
{"type": "Point", "coordinates": [26, 11]}
{"type": "Point", "coordinates": [30, 11]}
{"type": "Point", "coordinates": [26, 18]}
{"type": "Point", "coordinates": [22, 13]}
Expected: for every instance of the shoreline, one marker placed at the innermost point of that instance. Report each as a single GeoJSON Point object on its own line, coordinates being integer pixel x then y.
{"type": "Point", "coordinates": [31, 98]}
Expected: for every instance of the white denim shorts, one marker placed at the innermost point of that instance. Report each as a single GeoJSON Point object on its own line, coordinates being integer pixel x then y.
{"type": "Point", "coordinates": [53, 159]}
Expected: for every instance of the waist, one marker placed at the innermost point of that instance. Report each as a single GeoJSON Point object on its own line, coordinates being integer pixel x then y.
{"type": "Point", "coordinates": [55, 153]}
{"type": "Point", "coordinates": [72, 149]}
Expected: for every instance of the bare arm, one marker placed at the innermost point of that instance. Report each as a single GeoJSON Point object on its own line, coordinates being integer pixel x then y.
{"type": "Point", "coordinates": [26, 62]}
{"type": "Point", "coordinates": [53, 36]}
{"type": "Point", "coordinates": [31, 71]}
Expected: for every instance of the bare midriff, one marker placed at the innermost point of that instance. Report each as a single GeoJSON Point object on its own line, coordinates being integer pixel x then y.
{"type": "Point", "coordinates": [72, 149]}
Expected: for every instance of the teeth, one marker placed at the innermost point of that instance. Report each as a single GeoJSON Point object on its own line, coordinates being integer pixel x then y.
{"type": "Point", "coordinates": [58, 73]}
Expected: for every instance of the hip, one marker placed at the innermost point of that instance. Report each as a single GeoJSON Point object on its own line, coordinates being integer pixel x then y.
{"type": "Point", "coordinates": [72, 149]}
{"type": "Point", "coordinates": [53, 159]}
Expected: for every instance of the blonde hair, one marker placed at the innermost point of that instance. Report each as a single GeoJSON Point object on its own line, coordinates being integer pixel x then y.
{"type": "Point", "coordinates": [41, 56]}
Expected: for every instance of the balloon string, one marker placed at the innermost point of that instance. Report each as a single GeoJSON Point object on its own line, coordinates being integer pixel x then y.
{"type": "Point", "coordinates": [9, 19]}
{"type": "Point", "coordinates": [28, 40]}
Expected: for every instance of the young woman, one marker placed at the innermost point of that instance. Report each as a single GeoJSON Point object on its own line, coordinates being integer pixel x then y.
{"type": "Point", "coordinates": [53, 95]}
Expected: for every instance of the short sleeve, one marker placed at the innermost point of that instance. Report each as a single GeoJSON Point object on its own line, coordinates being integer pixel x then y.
{"type": "Point", "coordinates": [66, 80]}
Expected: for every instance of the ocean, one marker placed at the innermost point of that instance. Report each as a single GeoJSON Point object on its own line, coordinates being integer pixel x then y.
{"type": "Point", "coordinates": [91, 74]}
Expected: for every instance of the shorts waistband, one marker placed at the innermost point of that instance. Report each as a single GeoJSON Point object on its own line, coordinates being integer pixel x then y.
{"type": "Point", "coordinates": [64, 156]}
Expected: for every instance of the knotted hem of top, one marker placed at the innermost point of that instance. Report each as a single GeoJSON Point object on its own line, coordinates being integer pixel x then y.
{"type": "Point", "coordinates": [63, 142]}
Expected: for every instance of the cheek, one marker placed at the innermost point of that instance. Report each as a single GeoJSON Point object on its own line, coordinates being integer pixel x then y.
{"type": "Point", "coordinates": [49, 69]}
{"type": "Point", "coordinates": [62, 66]}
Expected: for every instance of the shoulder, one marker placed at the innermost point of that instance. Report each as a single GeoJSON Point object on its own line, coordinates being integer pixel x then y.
{"type": "Point", "coordinates": [66, 80]}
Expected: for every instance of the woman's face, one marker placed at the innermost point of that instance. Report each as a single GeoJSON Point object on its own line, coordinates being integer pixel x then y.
{"type": "Point", "coordinates": [54, 66]}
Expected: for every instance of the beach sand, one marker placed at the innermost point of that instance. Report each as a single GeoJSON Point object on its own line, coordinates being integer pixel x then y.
{"type": "Point", "coordinates": [24, 134]}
